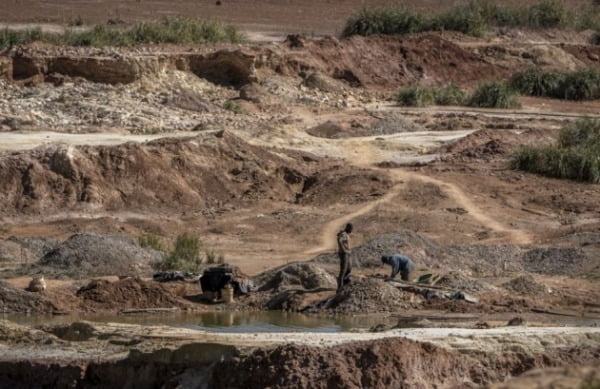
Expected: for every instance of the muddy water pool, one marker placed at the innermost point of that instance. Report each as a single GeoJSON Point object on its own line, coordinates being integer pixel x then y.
{"type": "Point", "coordinates": [267, 321]}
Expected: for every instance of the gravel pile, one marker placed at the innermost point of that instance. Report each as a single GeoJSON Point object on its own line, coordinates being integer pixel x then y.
{"type": "Point", "coordinates": [526, 286]}
{"type": "Point", "coordinates": [92, 255]}
{"type": "Point", "coordinates": [295, 276]}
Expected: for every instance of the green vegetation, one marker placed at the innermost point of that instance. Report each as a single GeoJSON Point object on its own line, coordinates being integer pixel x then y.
{"type": "Point", "coordinates": [472, 18]}
{"type": "Point", "coordinates": [494, 95]}
{"type": "Point", "coordinates": [169, 30]}
{"type": "Point", "coordinates": [577, 85]}
{"type": "Point", "coordinates": [575, 155]}
{"type": "Point", "coordinates": [233, 106]}
{"type": "Point", "coordinates": [416, 96]}
{"type": "Point", "coordinates": [187, 254]}
{"type": "Point", "coordinates": [151, 241]}
{"type": "Point", "coordinates": [487, 95]}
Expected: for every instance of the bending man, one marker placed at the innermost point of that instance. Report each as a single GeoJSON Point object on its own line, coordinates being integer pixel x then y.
{"type": "Point", "coordinates": [400, 264]}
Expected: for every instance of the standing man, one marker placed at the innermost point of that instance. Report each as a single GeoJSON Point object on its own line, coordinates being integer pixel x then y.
{"type": "Point", "coordinates": [343, 241]}
{"type": "Point", "coordinates": [400, 264]}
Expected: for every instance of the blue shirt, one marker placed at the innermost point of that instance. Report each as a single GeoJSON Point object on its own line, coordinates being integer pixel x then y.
{"type": "Point", "coordinates": [399, 263]}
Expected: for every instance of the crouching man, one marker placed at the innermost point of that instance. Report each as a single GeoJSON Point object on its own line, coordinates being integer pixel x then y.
{"type": "Point", "coordinates": [400, 264]}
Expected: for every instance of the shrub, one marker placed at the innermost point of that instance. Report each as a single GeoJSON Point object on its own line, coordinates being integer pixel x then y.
{"type": "Point", "coordinates": [151, 241]}
{"type": "Point", "coordinates": [185, 255]}
{"type": "Point", "coordinates": [549, 14]}
{"type": "Point", "coordinates": [575, 155]}
{"type": "Point", "coordinates": [595, 39]}
{"type": "Point", "coordinates": [533, 82]}
{"type": "Point", "coordinates": [578, 85]}
{"type": "Point", "coordinates": [415, 96]}
{"type": "Point", "coordinates": [394, 20]}
{"type": "Point", "coordinates": [451, 94]}
{"type": "Point", "coordinates": [581, 85]}
{"type": "Point", "coordinates": [494, 95]}
{"type": "Point", "coordinates": [168, 30]}
{"type": "Point", "coordinates": [233, 106]}
{"type": "Point", "coordinates": [473, 18]}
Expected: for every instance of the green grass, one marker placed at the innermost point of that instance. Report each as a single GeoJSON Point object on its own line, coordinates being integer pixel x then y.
{"type": "Point", "coordinates": [474, 17]}
{"type": "Point", "coordinates": [416, 96]}
{"type": "Point", "coordinates": [494, 95]}
{"type": "Point", "coordinates": [575, 155]}
{"type": "Point", "coordinates": [174, 30]}
{"type": "Point", "coordinates": [186, 255]}
{"type": "Point", "coordinates": [577, 85]}
{"type": "Point", "coordinates": [487, 95]}
{"type": "Point", "coordinates": [233, 106]}
{"type": "Point", "coordinates": [151, 241]}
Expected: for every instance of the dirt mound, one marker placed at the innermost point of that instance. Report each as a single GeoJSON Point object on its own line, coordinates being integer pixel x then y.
{"type": "Point", "coordinates": [13, 300]}
{"type": "Point", "coordinates": [380, 364]}
{"type": "Point", "coordinates": [129, 293]}
{"type": "Point", "coordinates": [156, 176]}
{"type": "Point", "coordinates": [294, 276]}
{"type": "Point", "coordinates": [487, 144]}
{"type": "Point", "coordinates": [340, 185]}
{"type": "Point", "coordinates": [457, 280]}
{"type": "Point", "coordinates": [555, 261]}
{"type": "Point", "coordinates": [25, 250]}
{"type": "Point", "coordinates": [368, 296]}
{"type": "Point", "coordinates": [526, 285]}
{"type": "Point", "coordinates": [388, 61]}
{"type": "Point", "coordinates": [365, 125]}
{"type": "Point", "coordinates": [93, 255]}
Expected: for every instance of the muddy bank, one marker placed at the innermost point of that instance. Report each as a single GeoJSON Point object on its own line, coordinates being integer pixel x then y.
{"type": "Point", "coordinates": [88, 355]}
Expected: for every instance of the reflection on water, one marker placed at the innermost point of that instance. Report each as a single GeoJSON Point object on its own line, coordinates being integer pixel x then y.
{"type": "Point", "coordinates": [269, 321]}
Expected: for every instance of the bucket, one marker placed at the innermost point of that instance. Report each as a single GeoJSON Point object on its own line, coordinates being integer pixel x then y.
{"type": "Point", "coordinates": [227, 294]}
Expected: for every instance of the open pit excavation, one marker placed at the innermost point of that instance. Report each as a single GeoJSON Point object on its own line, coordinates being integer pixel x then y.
{"type": "Point", "coordinates": [310, 196]}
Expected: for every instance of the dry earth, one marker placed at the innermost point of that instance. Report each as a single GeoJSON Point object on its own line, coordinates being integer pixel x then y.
{"type": "Point", "coordinates": [99, 146]}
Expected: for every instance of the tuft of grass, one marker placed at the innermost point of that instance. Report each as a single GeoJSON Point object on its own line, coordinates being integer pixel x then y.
{"type": "Point", "coordinates": [185, 256]}
{"type": "Point", "coordinates": [575, 155]}
{"type": "Point", "coordinates": [151, 241]}
{"type": "Point", "coordinates": [494, 95]}
{"type": "Point", "coordinates": [451, 94]}
{"type": "Point", "coordinates": [233, 106]}
{"type": "Point", "coordinates": [475, 17]}
{"type": "Point", "coordinates": [416, 96]}
{"type": "Point", "coordinates": [174, 30]}
{"type": "Point", "coordinates": [581, 84]}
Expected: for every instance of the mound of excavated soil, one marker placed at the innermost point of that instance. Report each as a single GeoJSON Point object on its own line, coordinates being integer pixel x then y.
{"type": "Point", "coordinates": [127, 293]}
{"type": "Point", "coordinates": [390, 61]}
{"type": "Point", "coordinates": [340, 185]}
{"type": "Point", "coordinates": [93, 255]}
{"type": "Point", "coordinates": [525, 285]}
{"type": "Point", "coordinates": [13, 300]}
{"type": "Point", "coordinates": [25, 250]}
{"type": "Point", "coordinates": [368, 296]}
{"type": "Point", "coordinates": [387, 124]}
{"type": "Point", "coordinates": [172, 175]}
{"type": "Point", "coordinates": [489, 143]}
{"type": "Point", "coordinates": [390, 363]}
{"type": "Point", "coordinates": [555, 261]}
{"type": "Point", "coordinates": [456, 280]}
{"type": "Point", "coordinates": [296, 276]}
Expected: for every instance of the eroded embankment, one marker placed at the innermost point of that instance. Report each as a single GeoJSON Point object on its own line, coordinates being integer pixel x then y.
{"type": "Point", "coordinates": [381, 62]}
{"type": "Point", "coordinates": [170, 174]}
{"type": "Point", "coordinates": [89, 355]}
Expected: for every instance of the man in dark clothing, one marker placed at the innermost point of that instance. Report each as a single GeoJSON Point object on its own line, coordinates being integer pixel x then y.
{"type": "Point", "coordinates": [400, 264]}
{"type": "Point", "coordinates": [343, 241]}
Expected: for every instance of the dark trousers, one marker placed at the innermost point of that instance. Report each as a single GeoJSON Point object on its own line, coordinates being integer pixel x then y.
{"type": "Point", "coordinates": [345, 270]}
